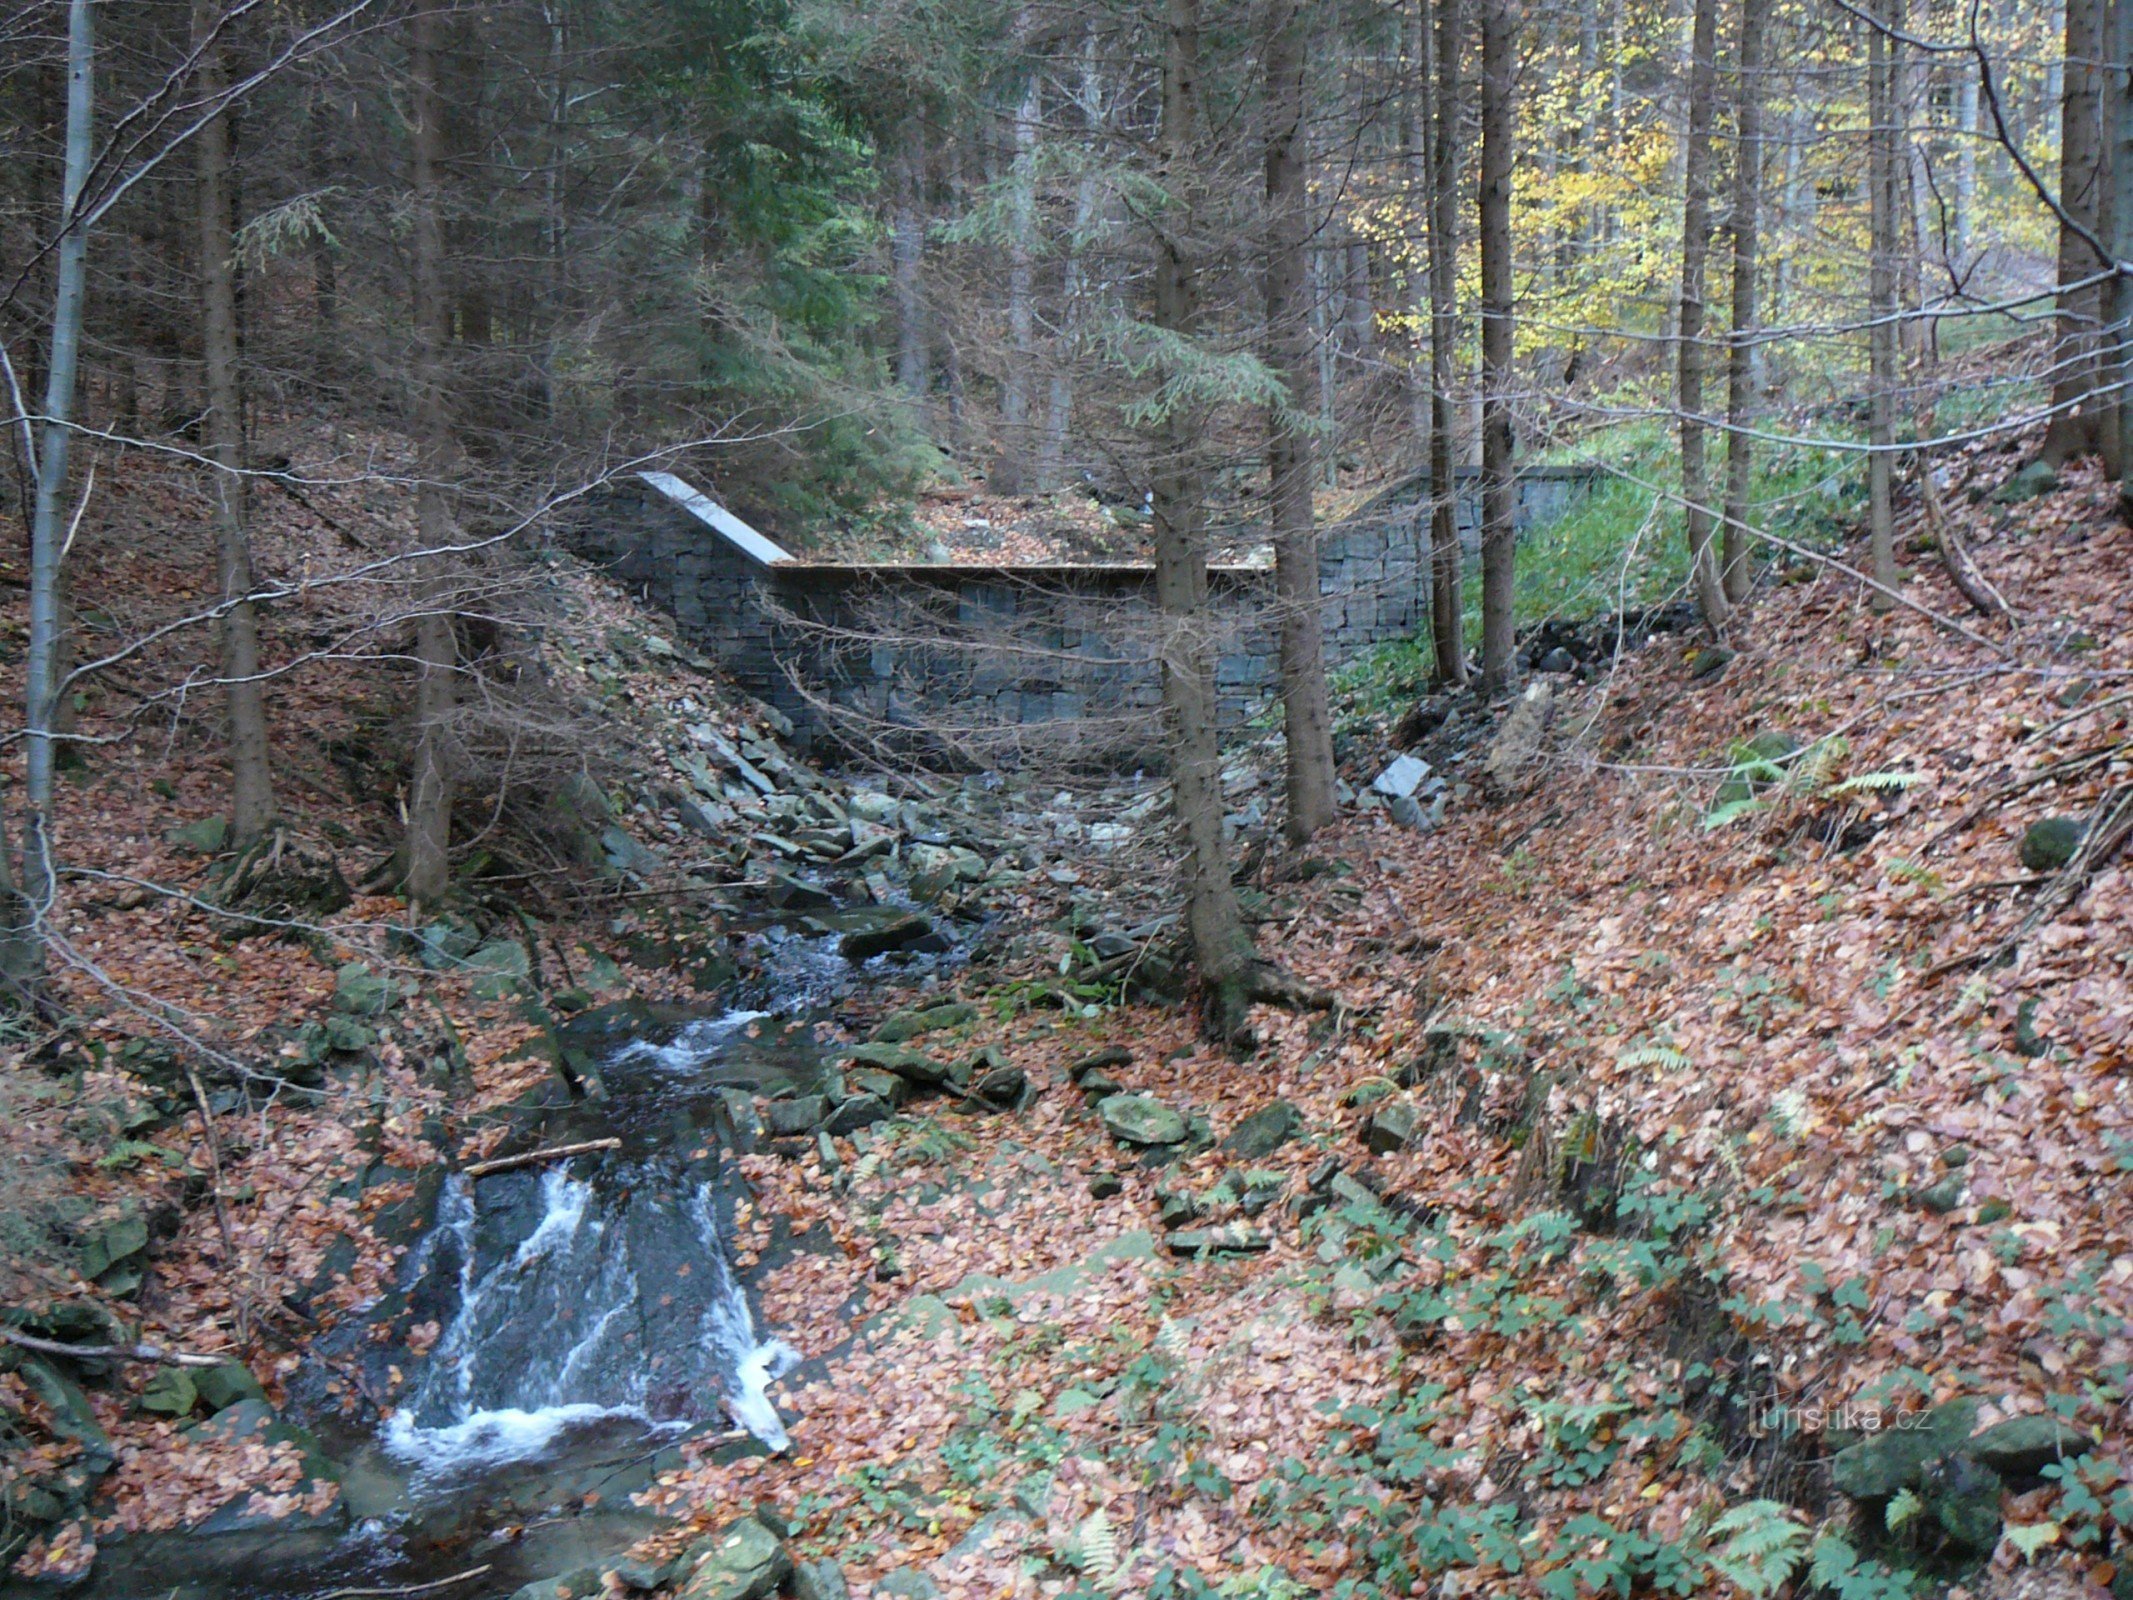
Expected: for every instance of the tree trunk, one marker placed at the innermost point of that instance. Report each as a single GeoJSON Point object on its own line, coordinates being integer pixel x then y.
{"type": "Point", "coordinates": [1966, 137]}
{"type": "Point", "coordinates": [1221, 948]}
{"type": "Point", "coordinates": [1740, 356]}
{"type": "Point", "coordinates": [1074, 283]}
{"type": "Point", "coordinates": [1415, 148]}
{"type": "Point", "coordinates": [2072, 430]}
{"type": "Point", "coordinates": [24, 955]}
{"type": "Point", "coordinates": [1499, 491]}
{"type": "Point", "coordinates": [1693, 357]}
{"type": "Point", "coordinates": [907, 249]}
{"type": "Point", "coordinates": [251, 772]}
{"type": "Point", "coordinates": [1011, 473]}
{"type": "Point", "coordinates": [1881, 287]}
{"type": "Point", "coordinates": [1447, 559]}
{"type": "Point", "coordinates": [2121, 90]}
{"type": "Point", "coordinates": [1305, 715]}
{"type": "Point", "coordinates": [429, 806]}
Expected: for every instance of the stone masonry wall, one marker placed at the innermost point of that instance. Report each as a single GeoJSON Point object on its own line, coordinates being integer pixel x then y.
{"type": "Point", "coordinates": [966, 657]}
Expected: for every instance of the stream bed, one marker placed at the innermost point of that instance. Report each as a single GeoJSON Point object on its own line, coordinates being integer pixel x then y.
{"type": "Point", "coordinates": [557, 1332]}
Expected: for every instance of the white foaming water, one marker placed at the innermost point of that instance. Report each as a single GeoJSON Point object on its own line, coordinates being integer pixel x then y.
{"type": "Point", "coordinates": [490, 1438]}
{"type": "Point", "coordinates": [694, 1045]}
{"type": "Point", "coordinates": [750, 1401]}
{"type": "Point", "coordinates": [616, 1302]}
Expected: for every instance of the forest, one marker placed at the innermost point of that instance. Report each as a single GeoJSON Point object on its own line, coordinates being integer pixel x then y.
{"type": "Point", "coordinates": [1169, 798]}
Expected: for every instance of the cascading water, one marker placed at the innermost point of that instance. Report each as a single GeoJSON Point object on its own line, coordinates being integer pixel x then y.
{"type": "Point", "coordinates": [597, 1290]}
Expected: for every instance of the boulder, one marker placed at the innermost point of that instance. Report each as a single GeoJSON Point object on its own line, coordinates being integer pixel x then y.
{"type": "Point", "coordinates": [819, 1580]}
{"type": "Point", "coordinates": [1264, 1131]}
{"type": "Point", "coordinates": [1897, 1457]}
{"type": "Point", "coordinates": [2032, 480]}
{"type": "Point", "coordinates": [744, 1562]}
{"type": "Point", "coordinates": [1390, 1128]}
{"type": "Point", "coordinates": [2022, 1447]}
{"type": "Point", "coordinates": [907, 931]}
{"type": "Point", "coordinates": [1102, 1060]}
{"type": "Point", "coordinates": [499, 968]}
{"type": "Point", "coordinates": [788, 1119]}
{"type": "Point", "coordinates": [1106, 1185]}
{"type": "Point", "coordinates": [224, 1386]}
{"type": "Point", "coordinates": [860, 1111]}
{"type": "Point", "coordinates": [1964, 1496]}
{"type": "Point", "coordinates": [903, 1025]}
{"type": "Point", "coordinates": [906, 1583]}
{"type": "Point", "coordinates": [1401, 778]}
{"type": "Point", "coordinates": [361, 992]}
{"type": "Point", "coordinates": [2050, 844]}
{"type": "Point", "coordinates": [1233, 1240]}
{"type": "Point", "coordinates": [1139, 1119]}
{"type": "Point", "coordinates": [913, 1066]}
{"type": "Point", "coordinates": [1557, 660]}
{"type": "Point", "coordinates": [876, 1081]}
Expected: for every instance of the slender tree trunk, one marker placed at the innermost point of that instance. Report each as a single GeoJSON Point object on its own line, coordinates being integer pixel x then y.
{"type": "Point", "coordinates": [251, 772]}
{"type": "Point", "coordinates": [1415, 147]}
{"type": "Point", "coordinates": [1447, 558]}
{"type": "Point", "coordinates": [1221, 948]}
{"type": "Point", "coordinates": [1074, 283]}
{"type": "Point", "coordinates": [1499, 490]}
{"type": "Point", "coordinates": [1966, 137]}
{"type": "Point", "coordinates": [1308, 721]}
{"type": "Point", "coordinates": [1881, 287]}
{"type": "Point", "coordinates": [429, 806]}
{"type": "Point", "coordinates": [1740, 356]}
{"type": "Point", "coordinates": [1693, 355]}
{"type": "Point", "coordinates": [25, 955]}
{"type": "Point", "coordinates": [907, 248]}
{"type": "Point", "coordinates": [1011, 473]}
{"type": "Point", "coordinates": [2121, 89]}
{"type": "Point", "coordinates": [2073, 428]}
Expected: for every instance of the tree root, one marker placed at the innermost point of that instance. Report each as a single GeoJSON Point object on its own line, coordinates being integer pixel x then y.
{"type": "Point", "coordinates": [1226, 1005]}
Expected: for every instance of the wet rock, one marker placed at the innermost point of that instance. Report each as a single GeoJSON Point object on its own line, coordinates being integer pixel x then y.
{"type": "Point", "coordinates": [743, 1126]}
{"type": "Point", "coordinates": [789, 893]}
{"type": "Point", "coordinates": [1138, 1119]}
{"type": "Point", "coordinates": [904, 931]}
{"type": "Point", "coordinates": [1964, 1496]}
{"type": "Point", "coordinates": [744, 1562]}
{"type": "Point", "coordinates": [1897, 1458]}
{"type": "Point", "coordinates": [2050, 844]}
{"type": "Point", "coordinates": [1390, 1128]}
{"type": "Point", "coordinates": [788, 1119]}
{"type": "Point", "coordinates": [1264, 1131]}
{"type": "Point", "coordinates": [2022, 1447]}
{"type": "Point", "coordinates": [1232, 1240]}
{"type": "Point", "coordinates": [819, 1580]}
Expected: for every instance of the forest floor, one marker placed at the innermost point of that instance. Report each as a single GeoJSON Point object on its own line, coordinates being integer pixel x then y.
{"type": "Point", "coordinates": [1660, 1135]}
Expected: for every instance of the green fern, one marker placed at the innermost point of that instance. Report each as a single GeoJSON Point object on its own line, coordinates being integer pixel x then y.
{"type": "Point", "coordinates": [1876, 781]}
{"type": "Point", "coordinates": [1904, 1508]}
{"type": "Point", "coordinates": [1838, 1570]}
{"type": "Point", "coordinates": [1732, 811]}
{"type": "Point", "coordinates": [1764, 1547]}
{"type": "Point", "coordinates": [1654, 1055]}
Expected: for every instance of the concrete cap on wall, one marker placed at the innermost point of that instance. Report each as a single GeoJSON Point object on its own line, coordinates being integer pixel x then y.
{"type": "Point", "coordinates": [716, 517]}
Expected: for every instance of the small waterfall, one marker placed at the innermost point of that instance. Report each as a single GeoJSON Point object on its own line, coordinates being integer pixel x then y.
{"type": "Point", "coordinates": [570, 1296]}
